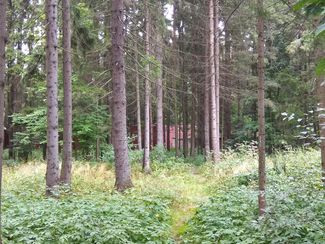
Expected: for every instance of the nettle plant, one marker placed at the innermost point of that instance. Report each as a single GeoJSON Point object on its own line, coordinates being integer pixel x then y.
{"type": "Point", "coordinates": [305, 128]}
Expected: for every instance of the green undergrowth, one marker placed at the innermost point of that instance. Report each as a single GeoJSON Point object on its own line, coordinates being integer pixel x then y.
{"type": "Point", "coordinates": [295, 213]}
{"type": "Point", "coordinates": [180, 202]}
{"type": "Point", "coordinates": [112, 219]}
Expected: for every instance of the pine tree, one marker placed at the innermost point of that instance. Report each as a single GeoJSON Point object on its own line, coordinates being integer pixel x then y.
{"type": "Point", "coordinates": [120, 143]}
{"type": "Point", "coordinates": [52, 170]}
{"type": "Point", "coordinates": [261, 110]}
{"type": "Point", "coordinates": [3, 40]}
{"type": "Point", "coordinates": [146, 152]}
{"type": "Point", "coordinates": [67, 72]}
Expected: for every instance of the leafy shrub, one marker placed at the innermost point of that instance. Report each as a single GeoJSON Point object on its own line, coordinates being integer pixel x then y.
{"type": "Point", "coordinates": [295, 211]}
{"type": "Point", "coordinates": [246, 179]}
{"type": "Point", "coordinates": [115, 219]}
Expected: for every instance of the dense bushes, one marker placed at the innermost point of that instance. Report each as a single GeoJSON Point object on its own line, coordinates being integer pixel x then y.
{"type": "Point", "coordinates": [295, 214]}
{"type": "Point", "coordinates": [115, 219]}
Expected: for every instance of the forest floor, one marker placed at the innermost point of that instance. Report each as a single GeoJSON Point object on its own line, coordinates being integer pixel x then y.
{"type": "Point", "coordinates": [163, 207]}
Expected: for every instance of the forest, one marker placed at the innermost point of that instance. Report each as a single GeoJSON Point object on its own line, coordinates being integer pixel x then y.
{"type": "Point", "coordinates": [162, 121]}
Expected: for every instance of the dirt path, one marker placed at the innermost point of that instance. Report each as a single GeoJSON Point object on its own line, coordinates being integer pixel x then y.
{"type": "Point", "coordinates": [192, 195]}
{"type": "Point", "coordinates": [195, 191]}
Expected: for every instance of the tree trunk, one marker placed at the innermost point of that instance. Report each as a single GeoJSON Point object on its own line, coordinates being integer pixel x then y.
{"type": "Point", "coordinates": [216, 150]}
{"type": "Point", "coordinates": [168, 131]}
{"type": "Point", "coordinates": [261, 110]}
{"type": "Point", "coordinates": [16, 94]}
{"type": "Point", "coordinates": [3, 40]}
{"type": "Point", "coordinates": [67, 72]}
{"type": "Point", "coordinates": [120, 143]}
{"type": "Point", "coordinates": [146, 153]}
{"type": "Point", "coordinates": [320, 53]}
{"type": "Point", "coordinates": [228, 85]}
{"type": "Point", "coordinates": [137, 80]}
{"type": "Point", "coordinates": [212, 70]}
{"type": "Point", "coordinates": [207, 107]}
{"type": "Point", "coordinates": [321, 115]}
{"type": "Point", "coordinates": [151, 126]}
{"type": "Point", "coordinates": [193, 120]}
{"type": "Point", "coordinates": [160, 132]}
{"type": "Point", "coordinates": [185, 117]}
{"type": "Point", "coordinates": [52, 170]}
{"type": "Point", "coordinates": [175, 46]}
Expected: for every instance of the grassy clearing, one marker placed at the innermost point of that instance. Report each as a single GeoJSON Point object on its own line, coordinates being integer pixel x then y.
{"type": "Point", "coordinates": [162, 207]}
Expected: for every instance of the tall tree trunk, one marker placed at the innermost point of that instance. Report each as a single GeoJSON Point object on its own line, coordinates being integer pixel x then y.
{"type": "Point", "coordinates": [160, 133]}
{"type": "Point", "coordinates": [320, 53]}
{"type": "Point", "coordinates": [137, 80]}
{"type": "Point", "coordinates": [175, 46]}
{"type": "Point", "coordinates": [151, 125]}
{"type": "Point", "coordinates": [212, 70]}
{"type": "Point", "coordinates": [3, 40]}
{"type": "Point", "coordinates": [52, 170]}
{"type": "Point", "coordinates": [207, 107]}
{"type": "Point", "coordinates": [120, 143]}
{"type": "Point", "coordinates": [159, 53]}
{"type": "Point", "coordinates": [168, 131]}
{"type": "Point", "coordinates": [146, 153]}
{"type": "Point", "coordinates": [261, 110]}
{"type": "Point", "coordinates": [216, 151]}
{"type": "Point", "coordinates": [67, 72]}
{"type": "Point", "coordinates": [227, 101]}
{"type": "Point", "coordinates": [15, 93]}
{"type": "Point", "coordinates": [185, 117]}
{"type": "Point", "coordinates": [193, 120]}
{"type": "Point", "coordinates": [321, 115]}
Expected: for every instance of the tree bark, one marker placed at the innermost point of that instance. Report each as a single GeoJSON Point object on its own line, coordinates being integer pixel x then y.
{"type": "Point", "coordinates": [146, 153]}
{"type": "Point", "coordinates": [227, 101]}
{"type": "Point", "coordinates": [120, 143]}
{"type": "Point", "coordinates": [261, 110]}
{"type": "Point", "coordinates": [193, 120]}
{"type": "Point", "coordinates": [3, 40]}
{"type": "Point", "coordinates": [320, 80]}
{"type": "Point", "coordinates": [168, 131]}
{"type": "Point", "coordinates": [321, 115]}
{"type": "Point", "coordinates": [185, 117]}
{"type": "Point", "coordinates": [216, 150]}
{"type": "Point", "coordinates": [67, 73]}
{"type": "Point", "coordinates": [207, 107]}
{"type": "Point", "coordinates": [212, 70]}
{"type": "Point", "coordinates": [175, 46]}
{"type": "Point", "coordinates": [160, 132]}
{"type": "Point", "coordinates": [137, 80]}
{"type": "Point", "coordinates": [52, 170]}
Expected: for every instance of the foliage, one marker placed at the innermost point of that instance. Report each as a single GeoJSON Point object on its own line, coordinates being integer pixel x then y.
{"type": "Point", "coordinates": [172, 203]}
{"type": "Point", "coordinates": [33, 130]}
{"type": "Point", "coordinates": [294, 215]}
{"type": "Point", "coordinates": [315, 8]}
{"type": "Point", "coordinates": [112, 219]}
{"type": "Point", "coordinates": [90, 126]}
{"type": "Point", "coordinates": [304, 127]}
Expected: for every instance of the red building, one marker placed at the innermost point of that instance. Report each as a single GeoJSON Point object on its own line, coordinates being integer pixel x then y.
{"type": "Point", "coordinates": [133, 133]}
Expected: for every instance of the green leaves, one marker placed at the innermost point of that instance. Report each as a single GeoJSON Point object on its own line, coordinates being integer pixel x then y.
{"type": "Point", "coordinates": [295, 208]}
{"type": "Point", "coordinates": [303, 3]}
{"type": "Point", "coordinates": [32, 129]}
{"type": "Point", "coordinates": [115, 219]}
{"type": "Point", "coordinates": [320, 68]}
